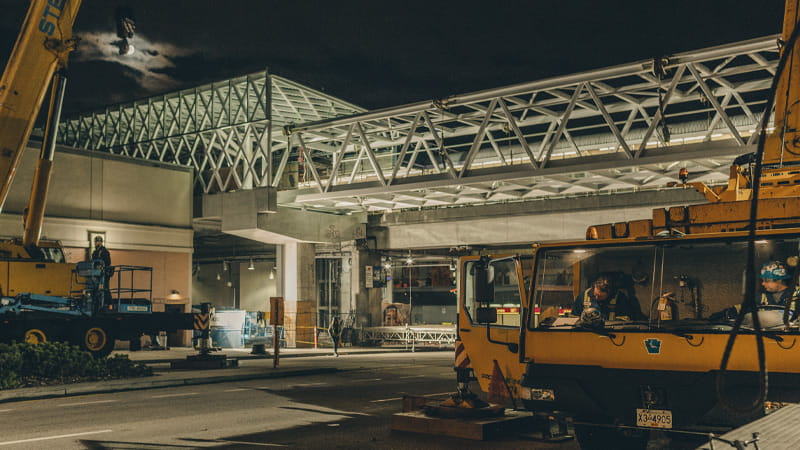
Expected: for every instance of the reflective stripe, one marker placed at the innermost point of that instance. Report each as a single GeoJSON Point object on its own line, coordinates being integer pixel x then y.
{"type": "Point", "coordinates": [612, 305]}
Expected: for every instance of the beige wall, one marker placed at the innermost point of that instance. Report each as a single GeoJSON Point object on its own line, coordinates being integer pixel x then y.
{"type": "Point", "coordinates": [86, 185]}
{"type": "Point", "coordinates": [170, 271]}
{"type": "Point", "coordinates": [256, 287]}
{"type": "Point", "coordinates": [253, 287]}
{"type": "Point", "coordinates": [207, 289]}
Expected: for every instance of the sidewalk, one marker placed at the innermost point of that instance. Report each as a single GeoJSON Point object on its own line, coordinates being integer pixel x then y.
{"type": "Point", "coordinates": [250, 367]}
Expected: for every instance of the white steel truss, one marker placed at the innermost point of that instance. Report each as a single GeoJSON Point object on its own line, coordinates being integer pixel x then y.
{"type": "Point", "coordinates": [223, 130]}
{"type": "Point", "coordinates": [621, 128]}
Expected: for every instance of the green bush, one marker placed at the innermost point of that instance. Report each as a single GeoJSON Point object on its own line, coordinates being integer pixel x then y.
{"type": "Point", "coordinates": [23, 364]}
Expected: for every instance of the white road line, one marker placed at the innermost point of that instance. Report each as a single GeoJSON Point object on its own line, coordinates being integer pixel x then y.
{"type": "Point", "coordinates": [86, 403]}
{"type": "Point", "coordinates": [309, 384]}
{"type": "Point", "coordinates": [386, 400]}
{"type": "Point", "coordinates": [175, 395]}
{"type": "Point", "coordinates": [366, 379]}
{"type": "Point", "coordinates": [441, 393]}
{"type": "Point", "coordinates": [62, 436]}
{"type": "Point", "coordinates": [412, 376]}
{"type": "Point", "coordinates": [237, 390]}
{"type": "Point", "coordinates": [260, 444]}
{"type": "Point", "coordinates": [5, 410]}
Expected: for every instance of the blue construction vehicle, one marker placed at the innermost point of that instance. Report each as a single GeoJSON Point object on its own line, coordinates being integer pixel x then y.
{"type": "Point", "coordinates": [100, 310]}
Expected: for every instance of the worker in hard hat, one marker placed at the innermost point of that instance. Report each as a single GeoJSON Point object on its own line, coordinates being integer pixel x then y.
{"type": "Point", "coordinates": [605, 297]}
{"type": "Point", "coordinates": [774, 284]}
{"type": "Point", "coordinates": [774, 290]}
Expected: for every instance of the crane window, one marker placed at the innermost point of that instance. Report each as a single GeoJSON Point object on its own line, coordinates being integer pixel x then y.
{"type": "Point", "coordinates": [505, 289]}
{"type": "Point", "coordinates": [690, 282]}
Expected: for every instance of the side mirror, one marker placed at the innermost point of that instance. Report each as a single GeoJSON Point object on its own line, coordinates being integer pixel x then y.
{"type": "Point", "coordinates": [484, 290]}
{"type": "Point", "coordinates": [486, 314]}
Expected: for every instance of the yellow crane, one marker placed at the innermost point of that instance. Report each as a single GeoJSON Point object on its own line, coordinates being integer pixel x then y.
{"type": "Point", "coordinates": [671, 335]}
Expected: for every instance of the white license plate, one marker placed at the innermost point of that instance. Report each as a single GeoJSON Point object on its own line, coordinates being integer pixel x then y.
{"type": "Point", "coordinates": [135, 308]}
{"type": "Point", "coordinates": [654, 418]}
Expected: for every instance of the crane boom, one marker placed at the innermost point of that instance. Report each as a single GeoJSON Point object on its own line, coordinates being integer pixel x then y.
{"type": "Point", "coordinates": [41, 49]}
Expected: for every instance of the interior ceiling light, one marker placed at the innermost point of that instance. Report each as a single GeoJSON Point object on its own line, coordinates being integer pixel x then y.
{"type": "Point", "coordinates": [251, 266]}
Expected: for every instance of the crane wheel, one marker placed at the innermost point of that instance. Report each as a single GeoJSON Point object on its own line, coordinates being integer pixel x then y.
{"type": "Point", "coordinates": [97, 340]}
{"type": "Point", "coordinates": [34, 336]}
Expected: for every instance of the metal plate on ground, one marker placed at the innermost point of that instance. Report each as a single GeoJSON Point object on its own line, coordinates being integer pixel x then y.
{"type": "Point", "coordinates": [476, 429]}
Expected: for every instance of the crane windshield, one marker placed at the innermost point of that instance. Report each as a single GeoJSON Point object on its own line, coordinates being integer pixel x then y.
{"type": "Point", "coordinates": [658, 284]}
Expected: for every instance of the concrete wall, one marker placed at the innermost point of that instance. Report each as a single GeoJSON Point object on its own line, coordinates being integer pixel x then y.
{"type": "Point", "coordinates": [521, 223]}
{"type": "Point", "coordinates": [253, 288]}
{"type": "Point", "coordinates": [207, 289]}
{"type": "Point", "coordinates": [87, 185]}
{"type": "Point", "coordinates": [256, 287]}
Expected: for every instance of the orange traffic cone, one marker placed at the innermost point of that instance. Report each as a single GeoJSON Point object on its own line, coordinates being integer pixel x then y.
{"type": "Point", "coordinates": [498, 389]}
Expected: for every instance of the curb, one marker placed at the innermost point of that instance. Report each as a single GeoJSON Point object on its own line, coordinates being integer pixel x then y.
{"type": "Point", "coordinates": [134, 384]}
{"type": "Point", "coordinates": [282, 355]}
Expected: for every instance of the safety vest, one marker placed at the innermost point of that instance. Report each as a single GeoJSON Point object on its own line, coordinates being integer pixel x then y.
{"type": "Point", "coordinates": [780, 298]}
{"type": "Point", "coordinates": [612, 303]}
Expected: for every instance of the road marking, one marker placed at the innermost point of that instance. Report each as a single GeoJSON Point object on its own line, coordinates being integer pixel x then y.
{"type": "Point", "coordinates": [261, 444]}
{"type": "Point", "coordinates": [412, 376]}
{"type": "Point", "coordinates": [444, 374]}
{"type": "Point", "coordinates": [175, 395]}
{"type": "Point", "coordinates": [62, 436]}
{"type": "Point", "coordinates": [237, 390]}
{"type": "Point", "coordinates": [366, 379]}
{"type": "Point", "coordinates": [309, 384]}
{"type": "Point", "coordinates": [87, 403]}
{"type": "Point", "coordinates": [386, 400]}
{"type": "Point", "coordinates": [5, 410]}
{"type": "Point", "coordinates": [441, 393]}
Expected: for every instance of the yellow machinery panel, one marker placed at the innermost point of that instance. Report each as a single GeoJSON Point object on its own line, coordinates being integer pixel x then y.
{"type": "Point", "coordinates": [36, 277]}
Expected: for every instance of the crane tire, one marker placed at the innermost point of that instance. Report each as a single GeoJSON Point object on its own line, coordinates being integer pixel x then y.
{"type": "Point", "coordinates": [34, 336]}
{"type": "Point", "coordinates": [96, 339]}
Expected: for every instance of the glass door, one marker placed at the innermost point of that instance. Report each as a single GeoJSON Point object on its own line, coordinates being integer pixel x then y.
{"type": "Point", "coordinates": [329, 290]}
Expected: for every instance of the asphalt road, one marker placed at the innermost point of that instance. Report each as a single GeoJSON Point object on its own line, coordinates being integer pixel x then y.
{"type": "Point", "coordinates": [348, 409]}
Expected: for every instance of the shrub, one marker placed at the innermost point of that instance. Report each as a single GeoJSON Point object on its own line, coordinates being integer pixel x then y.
{"type": "Point", "coordinates": [23, 364]}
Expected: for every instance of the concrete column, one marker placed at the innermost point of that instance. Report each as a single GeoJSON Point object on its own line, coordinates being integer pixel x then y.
{"type": "Point", "coordinates": [247, 150]}
{"type": "Point", "coordinates": [297, 273]}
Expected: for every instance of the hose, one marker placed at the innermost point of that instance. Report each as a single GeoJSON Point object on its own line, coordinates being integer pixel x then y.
{"type": "Point", "coordinates": [749, 303]}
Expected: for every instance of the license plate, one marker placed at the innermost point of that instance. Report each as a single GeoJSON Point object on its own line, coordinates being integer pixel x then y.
{"type": "Point", "coordinates": [654, 418]}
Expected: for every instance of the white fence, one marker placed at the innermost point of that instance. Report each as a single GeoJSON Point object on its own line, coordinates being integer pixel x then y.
{"type": "Point", "coordinates": [412, 336]}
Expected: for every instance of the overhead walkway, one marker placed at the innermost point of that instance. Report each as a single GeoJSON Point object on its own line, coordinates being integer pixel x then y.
{"type": "Point", "coordinates": [626, 128]}
{"type": "Point", "coordinates": [226, 131]}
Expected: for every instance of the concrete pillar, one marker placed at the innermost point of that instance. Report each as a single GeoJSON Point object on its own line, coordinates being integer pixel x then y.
{"type": "Point", "coordinates": [247, 164]}
{"type": "Point", "coordinates": [297, 273]}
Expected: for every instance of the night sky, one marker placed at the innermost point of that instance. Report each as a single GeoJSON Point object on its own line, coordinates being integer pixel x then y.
{"type": "Point", "coordinates": [379, 53]}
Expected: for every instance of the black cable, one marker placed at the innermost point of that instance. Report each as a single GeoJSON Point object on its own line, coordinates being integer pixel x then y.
{"type": "Point", "coordinates": [749, 303]}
